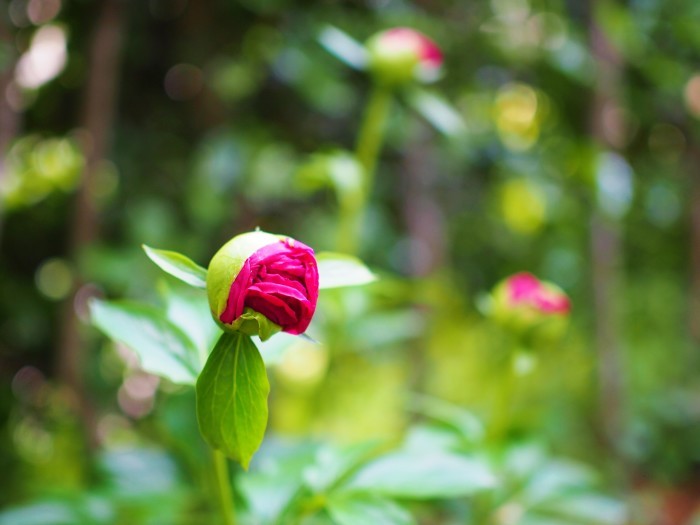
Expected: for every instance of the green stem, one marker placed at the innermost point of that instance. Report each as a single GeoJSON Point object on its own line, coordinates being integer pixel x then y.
{"type": "Point", "coordinates": [369, 144]}
{"type": "Point", "coordinates": [371, 136]}
{"type": "Point", "coordinates": [502, 409]}
{"type": "Point", "coordinates": [223, 483]}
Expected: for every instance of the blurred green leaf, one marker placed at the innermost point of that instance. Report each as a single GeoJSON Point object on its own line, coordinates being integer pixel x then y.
{"type": "Point", "coordinates": [178, 266]}
{"type": "Point", "coordinates": [554, 478]}
{"type": "Point", "coordinates": [275, 478]}
{"type": "Point", "coordinates": [188, 309]}
{"type": "Point", "coordinates": [337, 270]}
{"type": "Point", "coordinates": [275, 348]}
{"type": "Point", "coordinates": [162, 348]}
{"type": "Point", "coordinates": [337, 169]}
{"type": "Point", "coordinates": [437, 111]}
{"type": "Point", "coordinates": [232, 395]}
{"type": "Point", "coordinates": [344, 47]}
{"type": "Point", "coordinates": [354, 509]}
{"type": "Point", "coordinates": [432, 437]}
{"type": "Point", "coordinates": [138, 473]}
{"type": "Point", "coordinates": [588, 508]}
{"type": "Point", "coordinates": [423, 474]}
{"type": "Point", "coordinates": [455, 416]}
{"type": "Point", "coordinates": [333, 463]}
{"type": "Point", "coordinates": [43, 513]}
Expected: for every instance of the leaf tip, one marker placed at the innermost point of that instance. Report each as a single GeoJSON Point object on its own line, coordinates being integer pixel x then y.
{"type": "Point", "coordinates": [93, 303]}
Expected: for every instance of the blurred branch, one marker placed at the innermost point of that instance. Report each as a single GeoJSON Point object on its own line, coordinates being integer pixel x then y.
{"type": "Point", "coordinates": [97, 122]}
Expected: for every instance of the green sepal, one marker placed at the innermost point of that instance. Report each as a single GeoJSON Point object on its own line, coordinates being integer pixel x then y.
{"type": "Point", "coordinates": [232, 393]}
{"type": "Point", "coordinates": [252, 323]}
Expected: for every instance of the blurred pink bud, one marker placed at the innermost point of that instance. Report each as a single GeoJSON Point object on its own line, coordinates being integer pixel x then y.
{"type": "Point", "coordinates": [406, 39]}
{"type": "Point", "coordinates": [527, 290]}
{"type": "Point", "coordinates": [401, 54]}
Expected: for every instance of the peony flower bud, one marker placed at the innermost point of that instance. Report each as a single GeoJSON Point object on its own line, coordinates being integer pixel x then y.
{"type": "Point", "coordinates": [258, 279]}
{"type": "Point", "coordinates": [524, 290]}
{"type": "Point", "coordinates": [402, 54]}
{"type": "Point", "coordinates": [522, 302]}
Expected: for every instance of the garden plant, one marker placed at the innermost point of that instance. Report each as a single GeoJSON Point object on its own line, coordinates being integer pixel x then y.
{"type": "Point", "coordinates": [349, 263]}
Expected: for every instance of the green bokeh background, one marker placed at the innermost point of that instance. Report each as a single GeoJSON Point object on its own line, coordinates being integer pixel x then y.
{"type": "Point", "coordinates": [578, 162]}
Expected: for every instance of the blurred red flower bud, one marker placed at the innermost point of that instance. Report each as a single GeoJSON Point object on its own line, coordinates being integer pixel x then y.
{"type": "Point", "coordinates": [529, 307]}
{"type": "Point", "coordinates": [524, 289]}
{"type": "Point", "coordinates": [401, 54]}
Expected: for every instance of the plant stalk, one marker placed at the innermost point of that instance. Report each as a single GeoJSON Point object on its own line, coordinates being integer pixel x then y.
{"type": "Point", "coordinates": [223, 483]}
{"type": "Point", "coordinates": [367, 148]}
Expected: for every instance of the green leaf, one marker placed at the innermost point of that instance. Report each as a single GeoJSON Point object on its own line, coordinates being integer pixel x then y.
{"type": "Point", "coordinates": [337, 270]}
{"type": "Point", "coordinates": [188, 309]}
{"type": "Point", "coordinates": [344, 47]}
{"type": "Point", "coordinates": [455, 416]}
{"type": "Point", "coordinates": [232, 395]}
{"type": "Point", "coordinates": [437, 111]}
{"type": "Point", "coordinates": [423, 475]}
{"type": "Point", "coordinates": [351, 509]}
{"type": "Point", "coordinates": [273, 488]}
{"type": "Point", "coordinates": [40, 513]}
{"type": "Point", "coordinates": [162, 348]}
{"type": "Point", "coordinates": [178, 266]}
{"type": "Point", "coordinates": [337, 169]}
{"type": "Point", "coordinates": [333, 463]}
{"type": "Point", "coordinates": [274, 349]}
{"type": "Point", "coordinates": [588, 508]}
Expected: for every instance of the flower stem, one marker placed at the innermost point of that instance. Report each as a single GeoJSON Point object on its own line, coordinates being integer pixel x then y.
{"type": "Point", "coordinates": [371, 136]}
{"type": "Point", "coordinates": [223, 483]}
{"type": "Point", "coordinates": [369, 143]}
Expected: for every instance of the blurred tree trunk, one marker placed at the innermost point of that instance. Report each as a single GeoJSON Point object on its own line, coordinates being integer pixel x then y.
{"type": "Point", "coordinates": [97, 121]}
{"type": "Point", "coordinates": [694, 306]}
{"type": "Point", "coordinates": [9, 117]}
{"type": "Point", "coordinates": [607, 129]}
{"type": "Point", "coordinates": [425, 225]}
{"type": "Point", "coordinates": [422, 214]}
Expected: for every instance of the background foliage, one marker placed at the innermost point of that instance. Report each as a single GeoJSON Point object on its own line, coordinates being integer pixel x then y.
{"type": "Point", "coordinates": [179, 124]}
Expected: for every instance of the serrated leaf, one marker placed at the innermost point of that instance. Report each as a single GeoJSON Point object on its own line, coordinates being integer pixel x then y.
{"type": "Point", "coordinates": [441, 115]}
{"type": "Point", "coordinates": [162, 348]}
{"type": "Point", "coordinates": [353, 509]}
{"type": "Point", "coordinates": [232, 395]}
{"type": "Point", "coordinates": [344, 47]}
{"type": "Point", "coordinates": [336, 270]}
{"type": "Point", "coordinates": [423, 475]}
{"type": "Point", "coordinates": [179, 266]}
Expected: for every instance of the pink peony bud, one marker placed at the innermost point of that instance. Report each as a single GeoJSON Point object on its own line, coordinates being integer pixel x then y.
{"type": "Point", "coordinates": [258, 273]}
{"type": "Point", "coordinates": [402, 54]}
{"type": "Point", "coordinates": [524, 289]}
{"type": "Point", "coordinates": [523, 304]}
